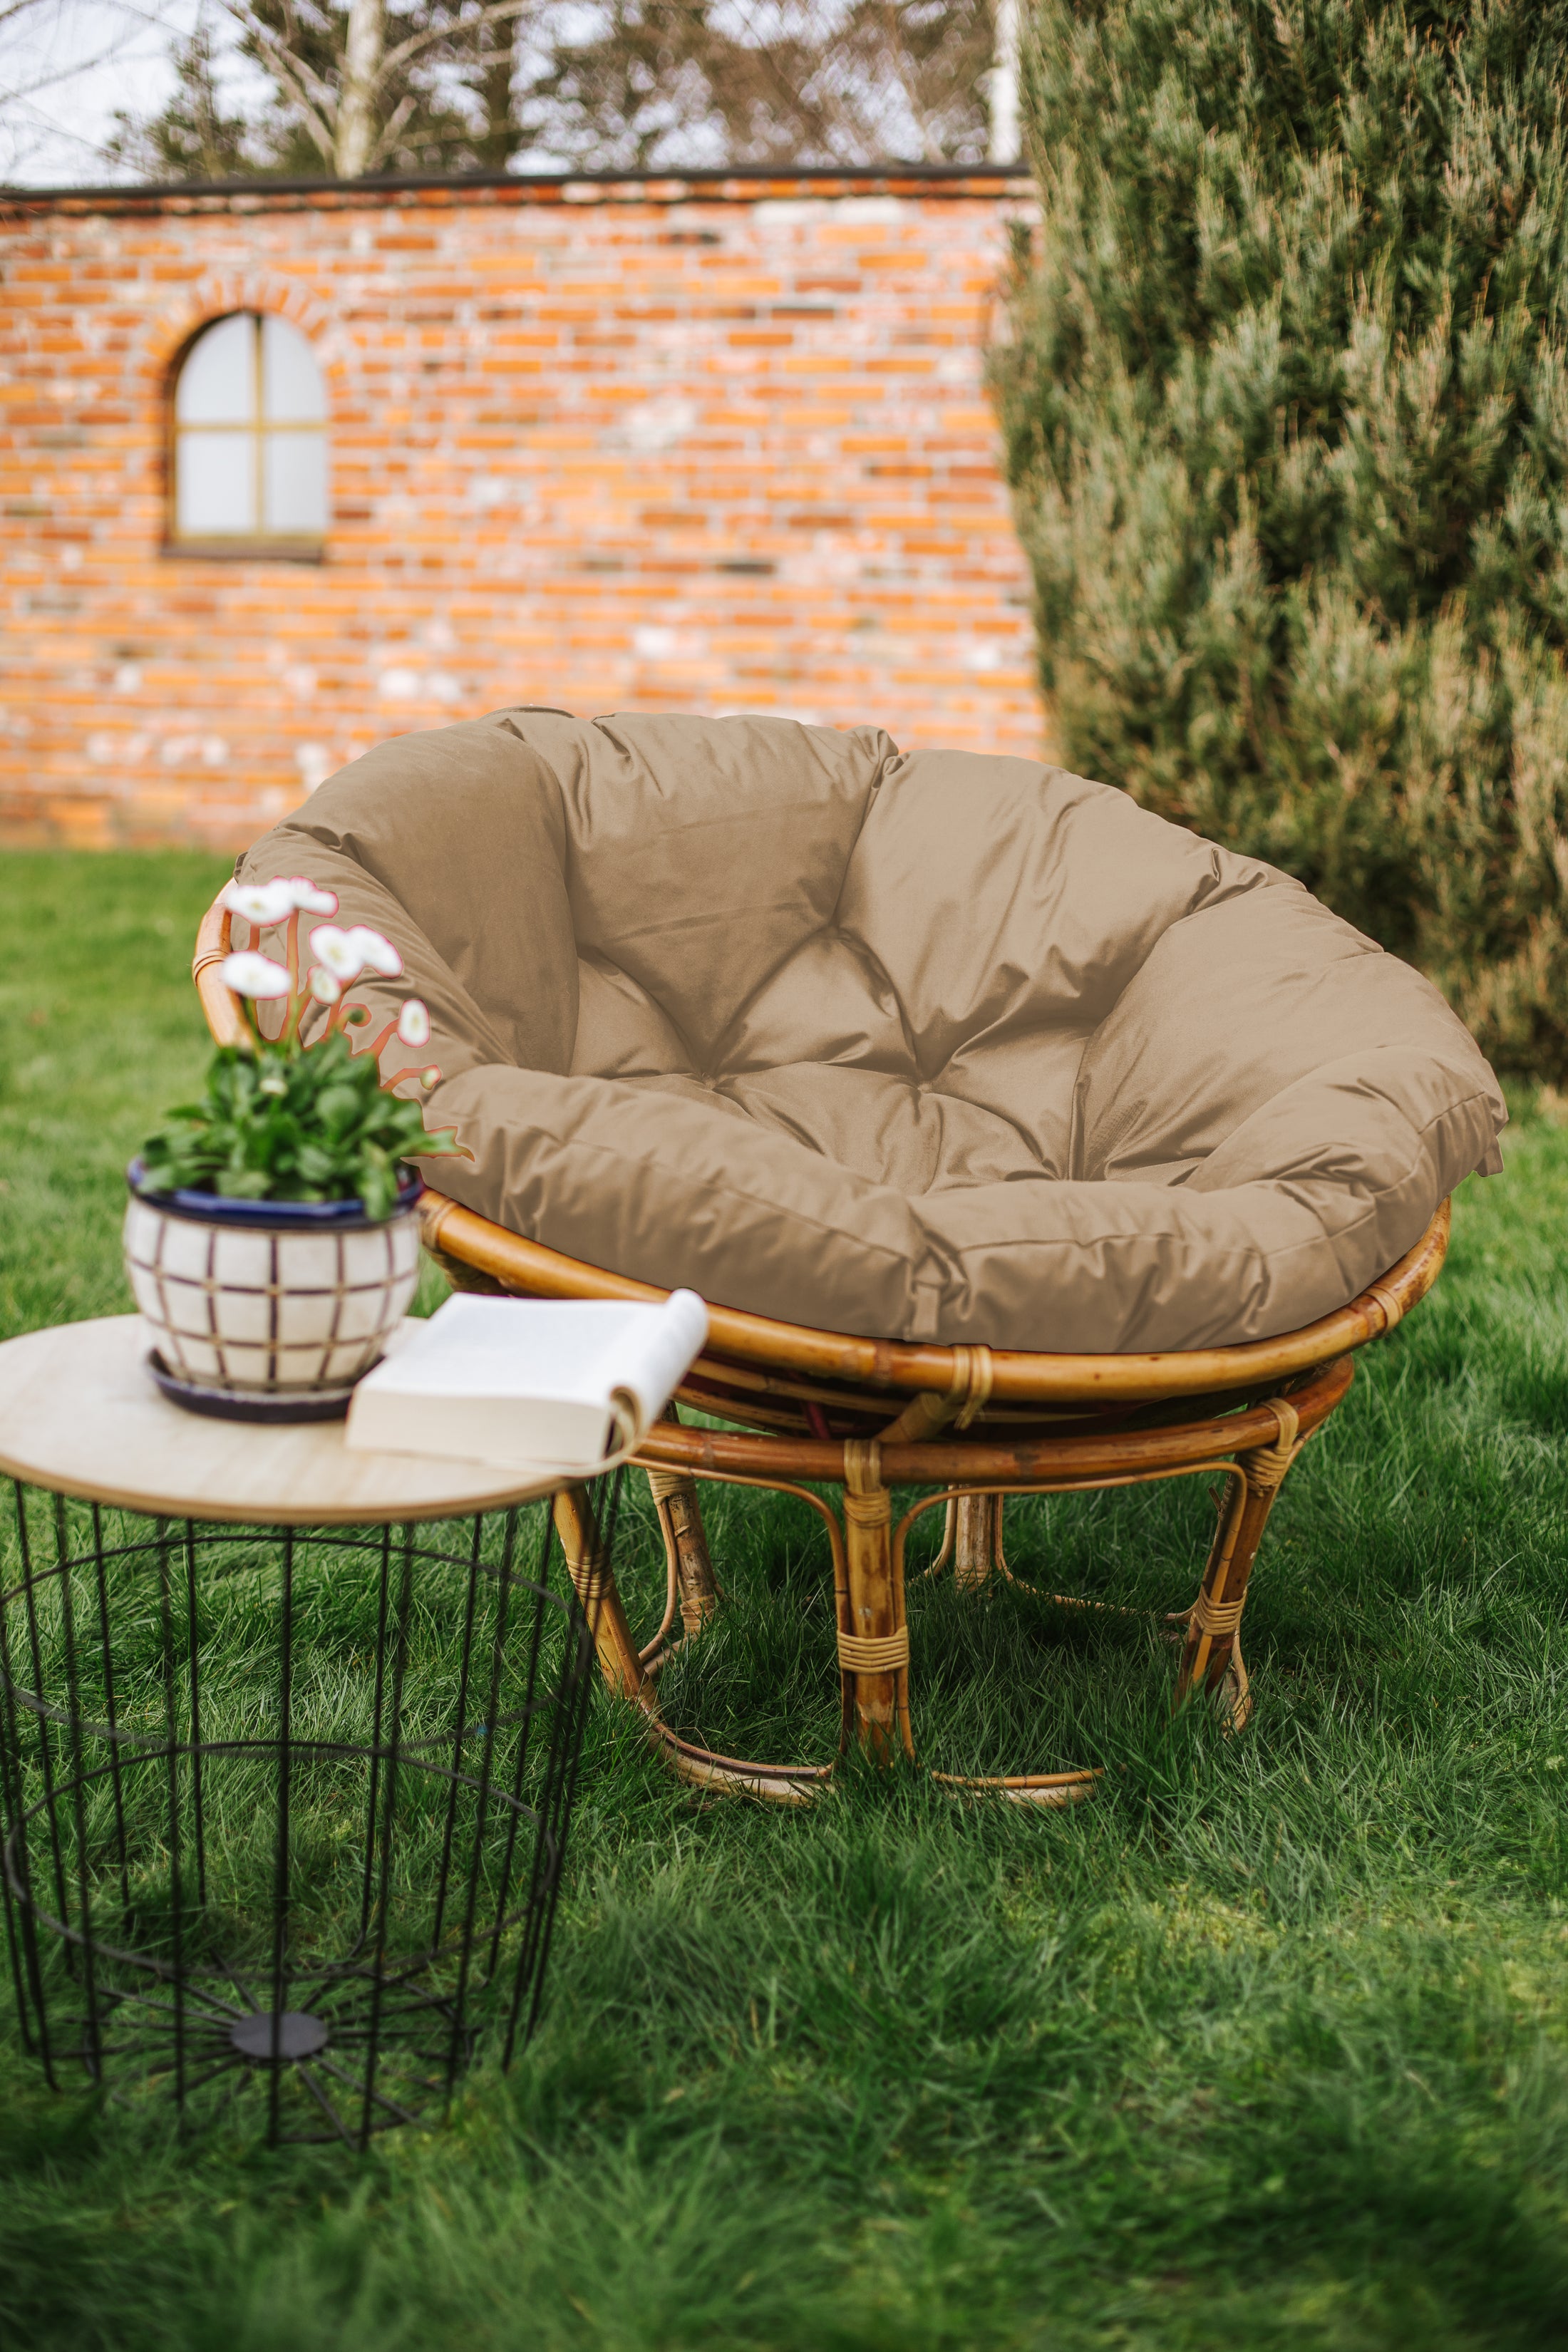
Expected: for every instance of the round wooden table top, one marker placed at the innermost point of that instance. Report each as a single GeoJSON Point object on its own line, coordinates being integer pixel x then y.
{"type": "Point", "coordinates": [80, 1413]}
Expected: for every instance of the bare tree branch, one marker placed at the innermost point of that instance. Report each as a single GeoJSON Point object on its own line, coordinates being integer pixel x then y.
{"type": "Point", "coordinates": [503, 12]}
{"type": "Point", "coordinates": [308, 88]}
{"type": "Point", "coordinates": [395, 123]}
{"type": "Point", "coordinates": [318, 123]}
{"type": "Point", "coordinates": [448, 83]}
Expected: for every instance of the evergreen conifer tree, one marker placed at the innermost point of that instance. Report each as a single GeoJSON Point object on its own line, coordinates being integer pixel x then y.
{"type": "Point", "coordinates": [1286, 398]}
{"type": "Point", "coordinates": [194, 135]}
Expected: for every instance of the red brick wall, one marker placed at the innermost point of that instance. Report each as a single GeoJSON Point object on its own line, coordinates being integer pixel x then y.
{"type": "Point", "coordinates": [670, 446]}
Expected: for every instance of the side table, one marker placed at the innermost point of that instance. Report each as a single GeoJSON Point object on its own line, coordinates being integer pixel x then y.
{"type": "Point", "coordinates": [288, 1737]}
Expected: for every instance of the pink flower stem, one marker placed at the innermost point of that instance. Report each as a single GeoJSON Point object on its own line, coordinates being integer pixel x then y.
{"type": "Point", "coordinates": [375, 1048]}
{"type": "Point", "coordinates": [338, 1017]}
{"type": "Point", "coordinates": [297, 995]}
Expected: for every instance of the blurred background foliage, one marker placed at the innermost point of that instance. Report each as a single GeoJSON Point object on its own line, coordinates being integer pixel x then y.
{"type": "Point", "coordinates": [296, 88]}
{"type": "Point", "coordinates": [1285, 397]}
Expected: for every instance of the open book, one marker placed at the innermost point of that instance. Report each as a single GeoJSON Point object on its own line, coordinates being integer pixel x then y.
{"type": "Point", "coordinates": [526, 1381]}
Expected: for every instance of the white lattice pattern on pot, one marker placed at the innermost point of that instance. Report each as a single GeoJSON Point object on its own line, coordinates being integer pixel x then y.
{"type": "Point", "coordinates": [259, 1309]}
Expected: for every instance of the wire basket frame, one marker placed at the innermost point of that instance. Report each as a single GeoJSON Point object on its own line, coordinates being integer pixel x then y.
{"type": "Point", "coordinates": [285, 1810]}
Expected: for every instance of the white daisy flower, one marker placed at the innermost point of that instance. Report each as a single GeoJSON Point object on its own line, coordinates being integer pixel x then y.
{"type": "Point", "coordinates": [375, 953]}
{"type": "Point", "coordinates": [254, 976]}
{"type": "Point", "coordinates": [259, 902]}
{"type": "Point", "coordinates": [337, 951]}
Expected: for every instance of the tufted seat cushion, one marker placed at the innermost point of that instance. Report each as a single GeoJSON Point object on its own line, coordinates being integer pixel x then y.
{"type": "Point", "coordinates": [924, 1046]}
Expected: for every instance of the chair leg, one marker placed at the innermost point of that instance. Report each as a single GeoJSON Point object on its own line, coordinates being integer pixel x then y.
{"type": "Point", "coordinates": [685, 1542]}
{"type": "Point", "coordinates": [594, 1582]}
{"type": "Point", "coordinates": [874, 1646]}
{"type": "Point", "coordinates": [977, 1531]}
{"type": "Point", "coordinates": [976, 1538]}
{"type": "Point", "coordinates": [1211, 1656]}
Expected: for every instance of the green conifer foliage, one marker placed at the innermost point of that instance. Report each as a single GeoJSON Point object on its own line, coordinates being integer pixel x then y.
{"type": "Point", "coordinates": [1286, 398]}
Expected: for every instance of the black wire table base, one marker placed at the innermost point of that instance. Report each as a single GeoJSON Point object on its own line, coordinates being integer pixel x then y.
{"type": "Point", "coordinates": [284, 1810]}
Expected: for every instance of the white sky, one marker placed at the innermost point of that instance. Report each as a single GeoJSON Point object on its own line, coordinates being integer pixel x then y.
{"type": "Point", "coordinates": [65, 66]}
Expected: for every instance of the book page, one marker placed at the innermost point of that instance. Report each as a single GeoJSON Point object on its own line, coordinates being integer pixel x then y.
{"type": "Point", "coordinates": [644, 1365]}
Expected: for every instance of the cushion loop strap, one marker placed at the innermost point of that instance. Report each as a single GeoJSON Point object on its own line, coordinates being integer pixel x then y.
{"type": "Point", "coordinates": [874, 1654]}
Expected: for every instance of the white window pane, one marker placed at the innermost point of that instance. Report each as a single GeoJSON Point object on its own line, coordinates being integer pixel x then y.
{"type": "Point", "coordinates": [292, 391]}
{"type": "Point", "coordinates": [295, 476]}
{"type": "Point", "coordinates": [217, 382]}
{"type": "Point", "coordinates": [216, 476]}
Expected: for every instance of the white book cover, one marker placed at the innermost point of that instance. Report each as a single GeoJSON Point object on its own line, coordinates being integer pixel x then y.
{"type": "Point", "coordinates": [528, 1382]}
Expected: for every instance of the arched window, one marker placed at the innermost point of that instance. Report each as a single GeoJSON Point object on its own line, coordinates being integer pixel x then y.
{"type": "Point", "coordinates": [249, 458]}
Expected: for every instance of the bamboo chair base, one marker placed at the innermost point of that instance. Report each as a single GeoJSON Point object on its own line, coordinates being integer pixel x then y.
{"type": "Point", "coordinates": [972, 1424]}
{"type": "Point", "coordinates": [974, 1428]}
{"type": "Point", "coordinates": [1221, 1675]}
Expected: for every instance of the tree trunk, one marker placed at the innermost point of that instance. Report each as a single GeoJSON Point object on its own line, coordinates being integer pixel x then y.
{"type": "Point", "coordinates": [356, 123]}
{"type": "Point", "coordinates": [1006, 138]}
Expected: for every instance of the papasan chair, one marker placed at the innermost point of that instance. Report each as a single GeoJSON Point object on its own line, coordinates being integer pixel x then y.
{"type": "Point", "coordinates": [1021, 1141]}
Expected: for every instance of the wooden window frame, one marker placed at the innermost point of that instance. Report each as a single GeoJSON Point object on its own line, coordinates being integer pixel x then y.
{"type": "Point", "coordinates": [232, 547]}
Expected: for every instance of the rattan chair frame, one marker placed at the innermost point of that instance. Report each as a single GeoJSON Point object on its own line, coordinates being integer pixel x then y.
{"type": "Point", "coordinates": [804, 1408]}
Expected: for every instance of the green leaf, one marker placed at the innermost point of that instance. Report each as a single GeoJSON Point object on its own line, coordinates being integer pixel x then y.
{"type": "Point", "coordinates": [316, 1164]}
{"type": "Point", "coordinates": [292, 1125]}
{"type": "Point", "coordinates": [338, 1108]}
{"type": "Point", "coordinates": [244, 1183]}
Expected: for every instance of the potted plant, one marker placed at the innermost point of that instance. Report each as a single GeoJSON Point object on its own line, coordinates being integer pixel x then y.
{"type": "Point", "coordinates": [271, 1240]}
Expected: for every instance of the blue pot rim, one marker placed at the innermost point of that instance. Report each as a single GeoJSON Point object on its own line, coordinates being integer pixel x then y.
{"type": "Point", "coordinates": [296, 1216]}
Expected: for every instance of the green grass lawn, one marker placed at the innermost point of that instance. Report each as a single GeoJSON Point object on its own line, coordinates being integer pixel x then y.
{"type": "Point", "coordinates": [1265, 2045]}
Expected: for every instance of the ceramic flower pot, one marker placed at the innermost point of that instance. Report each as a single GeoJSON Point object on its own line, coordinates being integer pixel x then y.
{"type": "Point", "coordinates": [268, 1309]}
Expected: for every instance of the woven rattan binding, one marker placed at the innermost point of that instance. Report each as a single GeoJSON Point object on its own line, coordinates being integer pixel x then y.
{"type": "Point", "coordinates": [1392, 1309]}
{"type": "Point", "coordinates": [1265, 1466]}
{"type": "Point", "coordinates": [1215, 1618]}
{"type": "Point", "coordinates": [874, 1654]}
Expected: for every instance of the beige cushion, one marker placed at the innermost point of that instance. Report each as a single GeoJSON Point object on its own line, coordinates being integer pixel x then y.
{"type": "Point", "coordinates": [914, 1045]}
